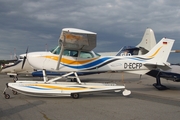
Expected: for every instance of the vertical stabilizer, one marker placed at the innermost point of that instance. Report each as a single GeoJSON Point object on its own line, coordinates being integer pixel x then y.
{"type": "Point", "coordinates": [148, 40]}
{"type": "Point", "coordinates": [160, 52]}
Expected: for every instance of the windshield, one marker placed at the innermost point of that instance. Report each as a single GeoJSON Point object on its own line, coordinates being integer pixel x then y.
{"type": "Point", "coordinates": [74, 53]}
{"type": "Point", "coordinates": [55, 50]}
{"type": "Point", "coordinates": [97, 54]}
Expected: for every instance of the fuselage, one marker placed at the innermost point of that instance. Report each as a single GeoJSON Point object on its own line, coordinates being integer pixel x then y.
{"type": "Point", "coordinates": [86, 61]}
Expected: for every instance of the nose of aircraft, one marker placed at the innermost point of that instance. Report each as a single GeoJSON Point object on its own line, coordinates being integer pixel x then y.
{"type": "Point", "coordinates": [36, 59]}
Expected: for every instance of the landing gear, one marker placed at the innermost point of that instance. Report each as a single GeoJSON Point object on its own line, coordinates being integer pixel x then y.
{"type": "Point", "coordinates": [14, 92]}
{"type": "Point", "coordinates": [7, 96]}
{"type": "Point", "coordinates": [15, 78]}
{"type": "Point", "coordinates": [75, 95]}
{"type": "Point", "coordinates": [158, 84]}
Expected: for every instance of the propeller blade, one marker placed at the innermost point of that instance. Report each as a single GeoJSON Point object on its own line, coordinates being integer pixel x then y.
{"type": "Point", "coordinates": [24, 59]}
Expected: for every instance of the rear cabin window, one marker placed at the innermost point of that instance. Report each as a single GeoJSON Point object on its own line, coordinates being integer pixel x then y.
{"type": "Point", "coordinates": [72, 53]}
{"type": "Point", "coordinates": [86, 55]}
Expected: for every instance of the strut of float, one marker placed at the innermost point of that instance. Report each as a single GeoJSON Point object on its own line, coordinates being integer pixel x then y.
{"type": "Point", "coordinates": [58, 78]}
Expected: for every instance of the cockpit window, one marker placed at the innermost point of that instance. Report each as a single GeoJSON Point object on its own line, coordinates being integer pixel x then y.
{"type": "Point", "coordinates": [86, 54]}
{"type": "Point", "coordinates": [73, 53]}
{"type": "Point", "coordinates": [56, 50]}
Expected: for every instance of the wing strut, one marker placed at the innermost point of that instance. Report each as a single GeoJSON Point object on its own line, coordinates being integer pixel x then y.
{"type": "Point", "coordinates": [60, 54]}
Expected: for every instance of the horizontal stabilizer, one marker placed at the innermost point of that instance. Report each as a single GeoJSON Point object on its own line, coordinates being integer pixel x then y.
{"type": "Point", "coordinates": [140, 72]}
{"type": "Point", "coordinates": [162, 66]}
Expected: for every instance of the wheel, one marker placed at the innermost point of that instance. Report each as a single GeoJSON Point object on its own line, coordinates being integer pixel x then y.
{"type": "Point", "coordinates": [75, 95]}
{"type": "Point", "coordinates": [14, 92]}
{"type": "Point", "coordinates": [7, 96]}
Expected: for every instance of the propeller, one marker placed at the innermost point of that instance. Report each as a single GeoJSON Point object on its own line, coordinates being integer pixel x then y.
{"type": "Point", "coordinates": [24, 59]}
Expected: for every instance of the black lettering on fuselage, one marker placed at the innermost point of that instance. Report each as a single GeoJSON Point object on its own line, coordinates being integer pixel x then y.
{"type": "Point", "coordinates": [132, 65]}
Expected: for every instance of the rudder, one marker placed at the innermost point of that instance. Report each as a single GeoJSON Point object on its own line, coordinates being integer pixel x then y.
{"type": "Point", "coordinates": [160, 52]}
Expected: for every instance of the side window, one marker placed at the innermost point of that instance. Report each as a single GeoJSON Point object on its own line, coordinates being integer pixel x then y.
{"type": "Point", "coordinates": [86, 55]}
{"type": "Point", "coordinates": [72, 53]}
{"type": "Point", "coordinates": [56, 50]}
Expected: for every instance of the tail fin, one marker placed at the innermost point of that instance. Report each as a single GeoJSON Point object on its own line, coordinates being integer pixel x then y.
{"type": "Point", "coordinates": [160, 52]}
{"type": "Point", "coordinates": [148, 40]}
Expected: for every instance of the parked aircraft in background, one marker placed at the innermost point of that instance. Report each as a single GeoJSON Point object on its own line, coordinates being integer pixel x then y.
{"type": "Point", "coordinates": [172, 74]}
{"type": "Point", "coordinates": [14, 69]}
{"type": "Point", "coordinates": [147, 43]}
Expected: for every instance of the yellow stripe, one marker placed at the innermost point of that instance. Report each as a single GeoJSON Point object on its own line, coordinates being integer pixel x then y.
{"type": "Point", "coordinates": [60, 88]}
{"type": "Point", "coordinates": [155, 52]}
{"type": "Point", "coordinates": [67, 61]}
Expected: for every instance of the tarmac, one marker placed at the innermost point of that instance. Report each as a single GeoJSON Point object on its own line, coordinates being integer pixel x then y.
{"type": "Point", "coordinates": [144, 103]}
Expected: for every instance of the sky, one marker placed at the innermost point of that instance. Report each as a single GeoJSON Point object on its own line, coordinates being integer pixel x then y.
{"type": "Point", "coordinates": [37, 24]}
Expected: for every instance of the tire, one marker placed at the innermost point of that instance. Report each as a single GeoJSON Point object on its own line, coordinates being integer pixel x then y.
{"type": "Point", "coordinates": [75, 95]}
{"type": "Point", "coordinates": [7, 96]}
{"type": "Point", "coordinates": [14, 92]}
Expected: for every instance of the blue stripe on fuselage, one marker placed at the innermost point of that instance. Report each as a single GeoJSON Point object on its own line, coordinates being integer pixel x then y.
{"type": "Point", "coordinates": [89, 65]}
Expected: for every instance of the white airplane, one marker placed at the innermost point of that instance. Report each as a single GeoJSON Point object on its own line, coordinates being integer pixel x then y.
{"type": "Point", "coordinates": [148, 42]}
{"type": "Point", "coordinates": [75, 54]}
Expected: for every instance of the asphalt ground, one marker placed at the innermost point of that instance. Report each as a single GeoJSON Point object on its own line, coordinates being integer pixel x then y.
{"type": "Point", "coordinates": [145, 102]}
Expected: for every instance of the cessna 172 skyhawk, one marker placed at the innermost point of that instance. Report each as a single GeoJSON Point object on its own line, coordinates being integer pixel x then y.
{"type": "Point", "coordinates": [75, 54]}
{"type": "Point", "coordinates": [148, 42]}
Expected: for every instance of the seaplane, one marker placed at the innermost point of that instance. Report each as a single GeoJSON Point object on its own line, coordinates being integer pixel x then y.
{"type": "Point", "coordinates": [74, 54]}
{"type": "Point", "coordinates": [14, 70]}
